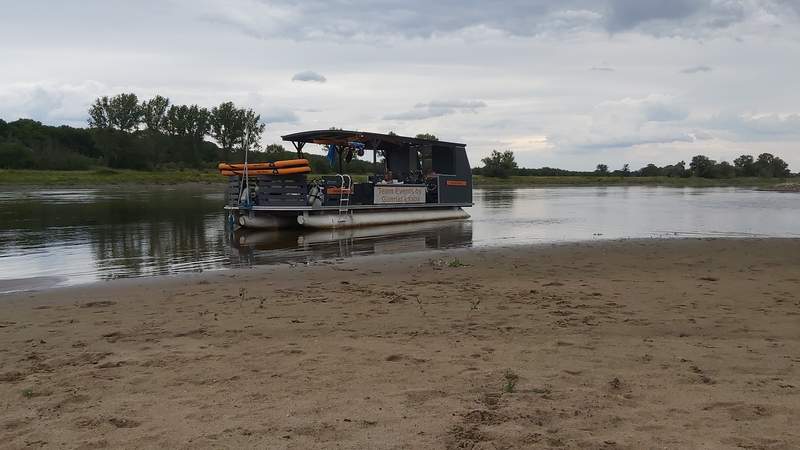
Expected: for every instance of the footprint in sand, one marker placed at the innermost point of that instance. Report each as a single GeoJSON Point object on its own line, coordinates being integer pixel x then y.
{"type": "Point", "coordinates": [98, 304]}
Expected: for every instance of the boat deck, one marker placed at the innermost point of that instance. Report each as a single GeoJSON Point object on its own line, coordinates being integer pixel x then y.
{"type": "Point", "coordinates": [302, 208]}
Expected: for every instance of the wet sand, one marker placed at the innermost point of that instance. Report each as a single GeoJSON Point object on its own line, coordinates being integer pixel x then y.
{"type": "Point", "coordinates": [633, 344]}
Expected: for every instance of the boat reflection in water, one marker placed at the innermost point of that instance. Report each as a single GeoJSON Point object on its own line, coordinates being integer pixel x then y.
{"type": "Point", "coordinates": [265, 247]}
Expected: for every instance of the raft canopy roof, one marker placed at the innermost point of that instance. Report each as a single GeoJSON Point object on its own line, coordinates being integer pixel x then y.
{"type": "Point", "coordinates": [371, 141]}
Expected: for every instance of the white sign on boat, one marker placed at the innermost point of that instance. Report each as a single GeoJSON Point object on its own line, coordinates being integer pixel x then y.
{"type": "Point", "coordinates": [399, 193]}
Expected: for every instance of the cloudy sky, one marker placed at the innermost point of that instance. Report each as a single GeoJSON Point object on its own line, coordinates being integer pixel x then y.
{"type": "Point", "coordinates": [568, 83]}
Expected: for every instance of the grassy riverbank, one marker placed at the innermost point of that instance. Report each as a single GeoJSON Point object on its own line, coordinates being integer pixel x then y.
{"type": "Point", "coordinates": [531, 181]}
{"type": "Point", "coordinates": [105, 176]}
{"type": "Point", "coordinates": [109, 176]}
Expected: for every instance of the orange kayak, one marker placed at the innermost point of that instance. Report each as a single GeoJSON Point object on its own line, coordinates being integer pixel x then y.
{"type": "Point", "coordinates": [264, 165]}
{"type": "Point", "coordinates": [281, 171]}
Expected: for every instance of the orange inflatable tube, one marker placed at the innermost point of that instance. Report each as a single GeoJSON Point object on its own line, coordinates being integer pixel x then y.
{"type": "Point", "coordinates": [281, 171]}
{"type": "Point", "coordinates": [264, 165]}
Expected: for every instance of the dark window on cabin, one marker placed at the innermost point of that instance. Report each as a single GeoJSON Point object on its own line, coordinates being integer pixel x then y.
{"type": "Point", "coordinates": [402, 161]}
{"type": "Point", "coordinates": [444, 161]}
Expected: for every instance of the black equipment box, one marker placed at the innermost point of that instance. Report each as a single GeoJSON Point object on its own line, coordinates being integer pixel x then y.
{"type": "Point", "coordinates": [282, 190]}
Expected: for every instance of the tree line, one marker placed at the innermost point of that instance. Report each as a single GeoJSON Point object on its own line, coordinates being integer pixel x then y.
{"type": "Point", "coordinates": [503, 165]}
{"type": "Point", "coordinates": [128, 134]}
{"type": "Point", "coordinates": [156, 133]}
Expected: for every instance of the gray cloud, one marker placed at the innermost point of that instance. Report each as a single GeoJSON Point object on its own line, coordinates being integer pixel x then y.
{"type": "Point", "coordinates": [437, 108]}
{"type": "Point", "coordinates": [702, 135]}
{"type": "Point", "coordinates": [636, 111]}
{"type": "Point", "coordinates": [696, 69]}
{"type": "Point", "coordinates": [56, 104]}
{"type": "Point", "coordinates": [348, 19]}
{"type": "Point", "coordinates": [353, 19]}
{"type": "Point", "coordinates": [417, 114]}
{"type": "Point", "coordinates": [632, 141]}
{"type": "Point", "coordinates": [664, 112]}
{"type": "Point", "coordinates": [689, 18]}
{"type": "Point", "coordinates": [601, 69]}
{"type": "Point", "coordinates": [271, 113]}
{"type": "Point", "coordinates": [309, 75]}
{"type": "Point", "coordinates": [624, 15]}
{"type": "Point", "coordinates": [758, 127]}
{"type": "Point", "coordinates": [278, 115]}
{"type": "Point", "coordinates": [470, 105]}
{"type": "Point", "coordinates": [630, 122]}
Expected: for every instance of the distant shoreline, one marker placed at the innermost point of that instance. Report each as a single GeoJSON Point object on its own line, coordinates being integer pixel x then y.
{"type": "Point", "coordinates": [172, 177]}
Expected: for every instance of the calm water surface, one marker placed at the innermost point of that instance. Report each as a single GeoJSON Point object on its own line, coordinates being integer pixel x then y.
{"type": "Point", "coordinates": [71, 236]}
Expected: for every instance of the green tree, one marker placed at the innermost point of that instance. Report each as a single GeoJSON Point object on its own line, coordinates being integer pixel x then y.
{"type": "Point", "coordinates": [602, 169]}
{"type": "Point", "coordinates": [764, 165]}
{"type": "Point", "coordinates": [124, 112]}
{"type": "Point", "coordinates": [198, 125]}
{"type": "Point", "coordinates": [192, 121]}
{"type": "Point", "coordinates": [123, 150]}
{"type": "Point", "coordinates": [768, 165]}
{"type": "Point", "coordinates": [651, 170]}
{"type": "Point", "coordinates": [702, 166]}
{"type": "Point", "coordinates": [252, 129]}
{"type": "Point", "coordinates": [98, 113]}
{"type": "Point", "coordinates": [176, 120]}
{"type": "Point", "coordinates": [427, 137]}
{"type": "Point", "coordinates": [780, 168]}
{"type": "Point", "coordinates": [121, 112]}
{"type": "Point", "coordinates": [154, 113]}
{"type": "Point", "coordinates": [677, 170]}
{"type": "Point", "coordinates": [188, 126]}
{"type": "Point", "coordinates": [14, 155]}
{"type": "Point", "coordinates": [276, 150]}
{"type": "Point", "coordinates": [498, 164]}
{"type": "Point", "coordinates": [198, 122]}
{"type": "Point", "coordinates": [227, 126]}
{"type": "Point", "coordinates": [745, 166]}
{"type": "Point", "coordinates": [724, 170]}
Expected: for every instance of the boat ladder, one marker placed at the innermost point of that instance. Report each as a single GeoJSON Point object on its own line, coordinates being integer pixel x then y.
{"type": "Point", "coordinates": [345, 189]}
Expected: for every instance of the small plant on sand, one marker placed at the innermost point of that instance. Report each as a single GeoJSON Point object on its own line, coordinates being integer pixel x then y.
{"type": "Point", "coordinates": [242, 295]}
{"type": "Point", "coordinates": [455, 263]}
{"type": "Point", "coordinates": [511, 381]}
{"type": "Point", "coordinates": [27, 393]}
{"type": "Point", "coordinates": [437, 264]}
{"type": "Point", "coordinates": [419, 303]}
{"type": "Point", "coordinates": [474, 303]}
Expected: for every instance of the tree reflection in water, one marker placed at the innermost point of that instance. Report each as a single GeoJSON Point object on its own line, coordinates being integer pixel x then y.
{"type": "Point", "coordinates": [106, 233]}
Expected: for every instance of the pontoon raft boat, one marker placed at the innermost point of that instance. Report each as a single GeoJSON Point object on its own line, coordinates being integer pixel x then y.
{"type": "Point", "coordinates": [416, 180]}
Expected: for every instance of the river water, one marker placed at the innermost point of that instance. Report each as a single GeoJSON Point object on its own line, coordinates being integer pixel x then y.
{"type": "Point", "coordinates": [56, 237]}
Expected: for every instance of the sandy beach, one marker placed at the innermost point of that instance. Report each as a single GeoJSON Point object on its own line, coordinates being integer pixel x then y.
{"type": "Point", "coordinates": [629, 344]}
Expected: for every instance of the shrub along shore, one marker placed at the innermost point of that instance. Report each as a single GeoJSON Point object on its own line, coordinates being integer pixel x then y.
{"type": "Point", "coordinates": [104, 176]}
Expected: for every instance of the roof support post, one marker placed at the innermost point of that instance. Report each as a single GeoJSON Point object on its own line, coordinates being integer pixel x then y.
{"type": "Point", "coordinates": [375, 143]}
{"type": "Point", "coordinates": [299, 147]}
